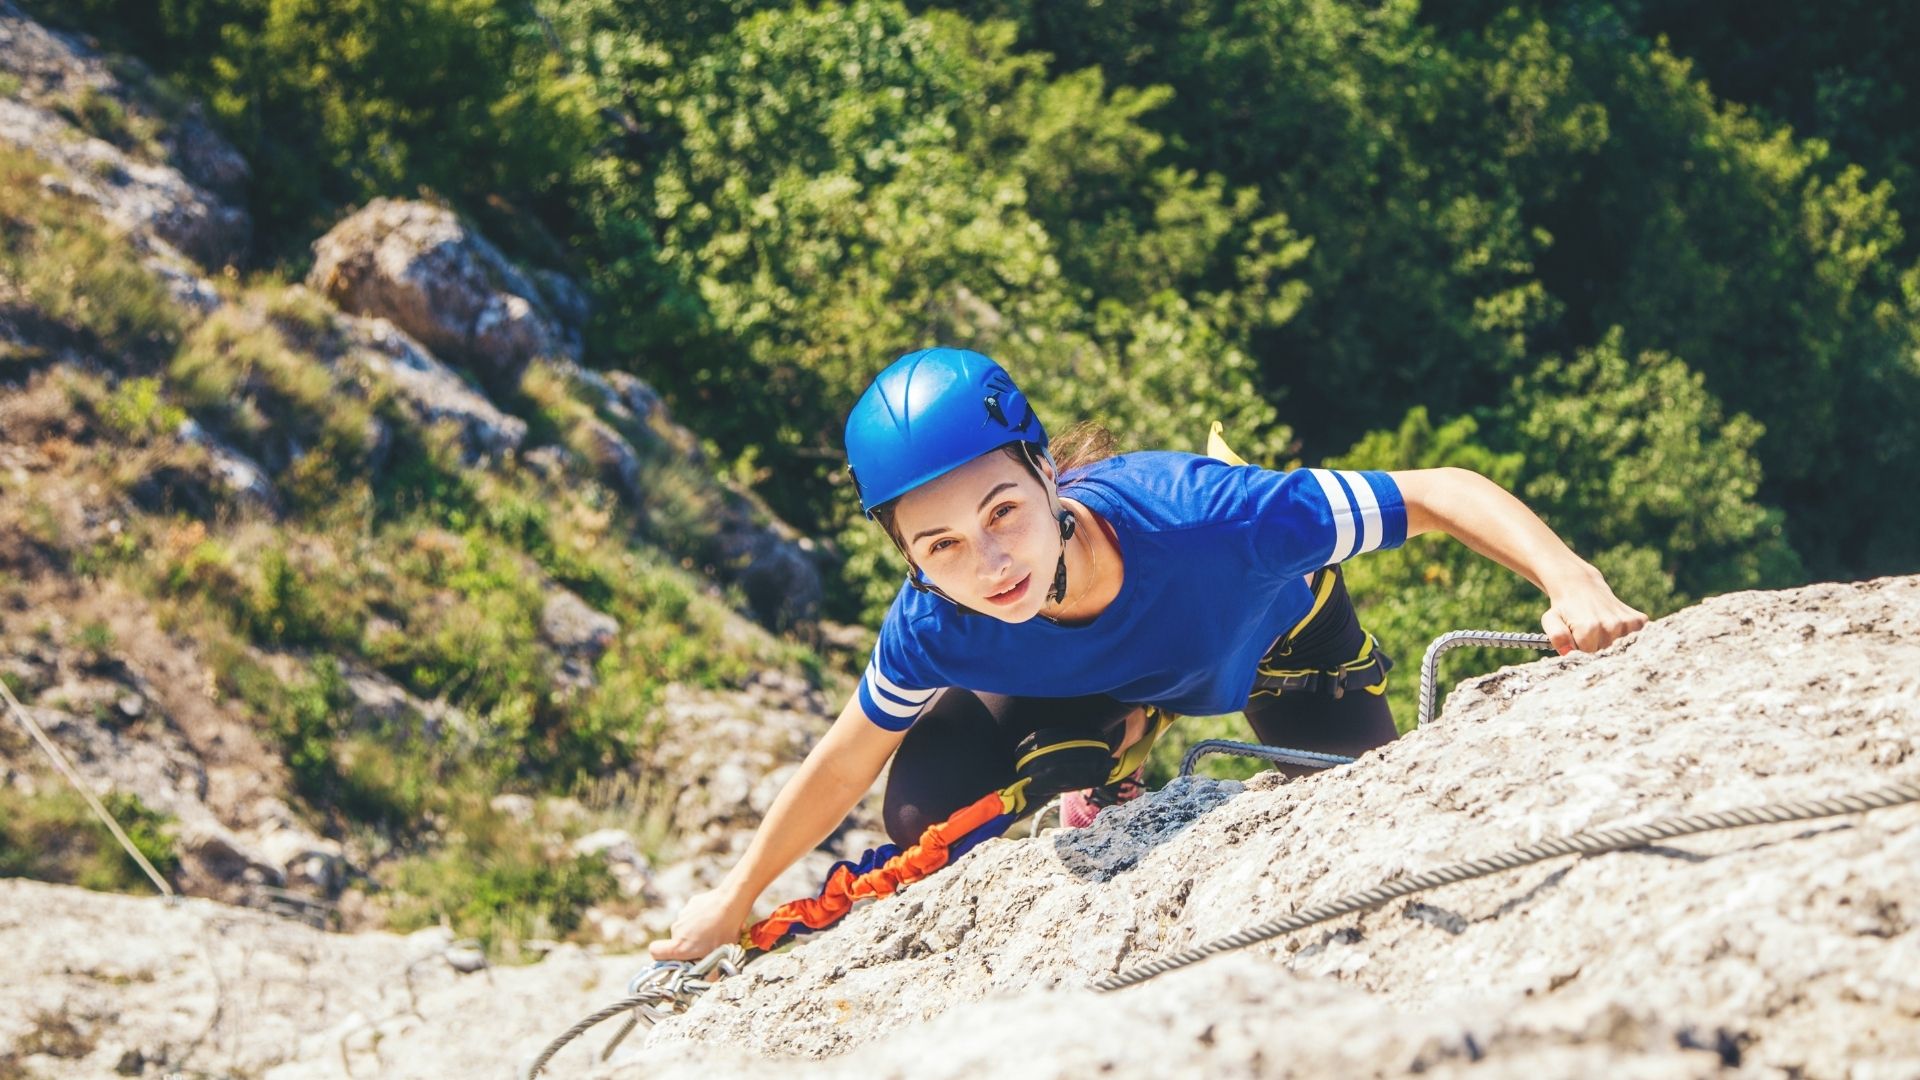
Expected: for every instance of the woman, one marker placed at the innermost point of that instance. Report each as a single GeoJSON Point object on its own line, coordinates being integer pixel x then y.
{"type": "Point", "coordinates": [1135, 588]}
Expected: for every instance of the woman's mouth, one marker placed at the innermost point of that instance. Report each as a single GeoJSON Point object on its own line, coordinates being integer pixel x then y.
{"type": "Point", "coordinates": [1013, 594]}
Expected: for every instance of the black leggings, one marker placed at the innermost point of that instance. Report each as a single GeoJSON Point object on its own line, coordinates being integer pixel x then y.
{"type": "Point", "coordinates": [963, 746]}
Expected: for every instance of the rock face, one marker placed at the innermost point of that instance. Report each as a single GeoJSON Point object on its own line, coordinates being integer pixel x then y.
{"type": "Point", "coordinates": [419, 267]}
{"type": "Point", "coordinates": [168, 180]}
{"type": "Point", "coordinates": [431, 391]}
{"type": "Point", "coordinates": [1778, 951]}
{"type": "Point", "coordinates": [1791, 949]}
{"type": "Point", "coordinates": [147, 988]}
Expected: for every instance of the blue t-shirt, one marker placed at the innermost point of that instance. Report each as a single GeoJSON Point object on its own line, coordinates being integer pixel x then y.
{"type": "Point", "coordinates": [1216, 557]}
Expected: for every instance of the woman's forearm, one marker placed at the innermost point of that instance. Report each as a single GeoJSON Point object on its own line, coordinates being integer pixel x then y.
{"type": "Point", "coordinates": [832, 779]}
{"type": "Point", "coordinates": [1584, 613]}
{"type": "Point", "coordinates": [1492, 521]}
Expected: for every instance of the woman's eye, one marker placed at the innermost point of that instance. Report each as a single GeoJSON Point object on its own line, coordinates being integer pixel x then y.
{"type": "Point", "coordinates": [1002, 511]}
{"type": "Point", "coordinates": [938, 546]}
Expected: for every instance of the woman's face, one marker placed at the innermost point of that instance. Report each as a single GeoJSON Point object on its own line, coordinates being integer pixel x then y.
{"type": "Point", "coordinates": [985, 535]}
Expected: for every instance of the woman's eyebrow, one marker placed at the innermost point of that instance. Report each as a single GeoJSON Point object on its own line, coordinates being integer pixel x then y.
{"type": "Point", "coordinates": [997, 489]}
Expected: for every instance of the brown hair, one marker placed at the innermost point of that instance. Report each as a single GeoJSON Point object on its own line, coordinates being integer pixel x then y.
{"type": "Point", "coordinates": [1082, 444]}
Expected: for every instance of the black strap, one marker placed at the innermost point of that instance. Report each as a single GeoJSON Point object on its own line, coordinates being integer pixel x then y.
{"type": "Point", "coordinates": [1062, 759]}
{"type": "Point", "coordinates": [1335, 682]}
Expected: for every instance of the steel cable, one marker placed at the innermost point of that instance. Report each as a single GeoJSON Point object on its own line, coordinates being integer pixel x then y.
{"type": "Point", "coordinates": [66, 769]}
{"type": "Point", "coordinates": [1589, 843]}
{"type": "Point", "coordinates": [634, 1002]}
{"type": "Point", "coordinates": [673, 982]}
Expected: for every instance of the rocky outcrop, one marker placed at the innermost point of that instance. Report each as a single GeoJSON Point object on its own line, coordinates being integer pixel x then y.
{"type": "Point", "coordinates": [739, 541]}
{"type": "Point", "coordinates": [431, 391]}
{"type": "Point", "coordinates": [418, 266]}
{"type": "Point", "coordinates": [120, 731]}
{"type": "Point", "coordinates": [239, 475]}
{"type": "Point", "coordinates": [161, 174]}
{"type": "Point", "coordinates": [1783, 951]}
{"type": "Point", "coordinates": [1780, 951]}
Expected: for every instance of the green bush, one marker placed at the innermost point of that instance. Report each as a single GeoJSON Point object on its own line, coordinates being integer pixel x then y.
{"type": "Point", "coordinates": [54, 836]}
{"type": "Point", "coordinates": [138, 410]}
{"type": "Point", "coordinates": [494, 878]}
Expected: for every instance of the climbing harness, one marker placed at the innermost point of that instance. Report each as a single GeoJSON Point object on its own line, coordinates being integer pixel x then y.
{"type": "Point", "coordinates": [1367, 672]}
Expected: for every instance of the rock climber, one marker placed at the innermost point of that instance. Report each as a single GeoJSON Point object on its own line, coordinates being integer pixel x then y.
{"type": "Point", "coordinates": [1064, 603]}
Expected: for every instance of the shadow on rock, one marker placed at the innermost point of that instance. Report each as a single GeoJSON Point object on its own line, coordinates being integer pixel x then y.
{"type": "Point", "coordinates": [1121, 836]}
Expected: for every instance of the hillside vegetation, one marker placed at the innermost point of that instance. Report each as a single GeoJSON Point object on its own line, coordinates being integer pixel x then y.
{"type": "Point", "coordinates": [1584, 249]}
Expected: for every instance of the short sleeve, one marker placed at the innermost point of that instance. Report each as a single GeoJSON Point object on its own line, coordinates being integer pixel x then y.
{"type": "Point", "coordinates": [1305, 519]}
{"type": "Point", "coordinates": [896, 687]}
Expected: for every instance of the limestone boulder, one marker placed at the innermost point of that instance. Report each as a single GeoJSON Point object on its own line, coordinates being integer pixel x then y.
{"type": "Point", "coordinates": [420, 267]}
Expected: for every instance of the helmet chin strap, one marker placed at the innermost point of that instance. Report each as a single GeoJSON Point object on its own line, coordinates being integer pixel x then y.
{"type": "Point", "coordinates": [1059, 593]}
{"type": "Point", "coordinates": [1060, 514]}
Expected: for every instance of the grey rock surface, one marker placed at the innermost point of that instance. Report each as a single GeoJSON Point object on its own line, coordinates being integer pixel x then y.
{"type": "Point", "coordinates": [431, 391]}
{"type": "Point", "coordinates": [239, 474]}
{"type": "Point", "coordinates": [573, 627]}
{"type": "Point", "coordinates": [164, 176]}
{"type": "Point", "coordinates": [418, 266]}
{"type": "Point", "coordinates": [1783, 951]}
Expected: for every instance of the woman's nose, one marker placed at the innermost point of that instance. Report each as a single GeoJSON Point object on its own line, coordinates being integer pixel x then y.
{"type": "Point", "coordinates": [994, 560]}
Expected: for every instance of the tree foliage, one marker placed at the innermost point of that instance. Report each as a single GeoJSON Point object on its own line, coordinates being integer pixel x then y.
{"type": "Point", "coordinates": [1649, 267]}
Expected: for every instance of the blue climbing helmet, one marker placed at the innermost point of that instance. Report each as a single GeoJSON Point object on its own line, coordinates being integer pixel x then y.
{"type": "Point", "coordinates": [929, 413]}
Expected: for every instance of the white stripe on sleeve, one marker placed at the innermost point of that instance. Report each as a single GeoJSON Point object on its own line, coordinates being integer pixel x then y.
{"type": "Point", "coordinates": [1372, 532]}
{"type": "Point", "coordinates": [895, 690]}
{"type": "Point", "coordinates": [893, 708]}
{"type": "Point", "coordinates": [1342, 515]}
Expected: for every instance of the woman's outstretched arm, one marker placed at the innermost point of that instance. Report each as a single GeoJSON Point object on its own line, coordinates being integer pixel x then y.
{"type": "Point", "coordinates": [837, 772]}
{"type": "Point", "coordinates": [1583, 613]}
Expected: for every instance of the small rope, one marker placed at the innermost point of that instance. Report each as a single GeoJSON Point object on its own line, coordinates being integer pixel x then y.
{"type": "Point", "coordinates": [1430, 664]}
{"type": "Point", "coordinates": [66, 770]}
{"type": "Point", "coordinates": [1589, 843]}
